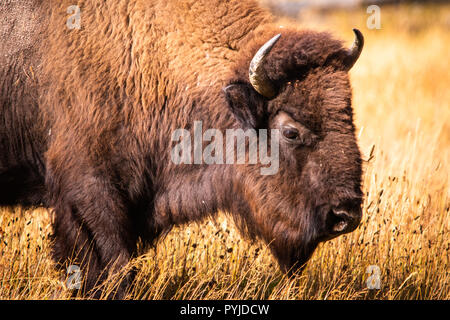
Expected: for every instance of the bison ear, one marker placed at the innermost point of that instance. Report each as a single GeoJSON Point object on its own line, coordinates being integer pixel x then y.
{"type": "Point", "coordinates": [247, 106]}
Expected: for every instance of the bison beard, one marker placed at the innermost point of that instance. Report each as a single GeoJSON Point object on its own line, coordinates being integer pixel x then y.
{"type": "Point", "coordinates": [87, 117]}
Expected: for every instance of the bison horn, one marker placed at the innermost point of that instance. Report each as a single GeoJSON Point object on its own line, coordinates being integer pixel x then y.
{"type": "Point", "coordinates": [355, 50]}
{"type": "Point", "coordinates": [258, 78]}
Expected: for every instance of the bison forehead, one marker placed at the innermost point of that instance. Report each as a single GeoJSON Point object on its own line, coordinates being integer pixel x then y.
{"type": "Point", "coordinates": [322, 96]}
{"type": "Point", "coordinates": [300, 51]}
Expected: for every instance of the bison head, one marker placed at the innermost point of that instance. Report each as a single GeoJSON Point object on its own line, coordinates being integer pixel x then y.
{"type": "Point", "coordinates": [299, 84]}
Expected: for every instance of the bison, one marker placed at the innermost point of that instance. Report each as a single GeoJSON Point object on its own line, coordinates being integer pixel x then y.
{"type": "Point", "coordinates": [91, 94]}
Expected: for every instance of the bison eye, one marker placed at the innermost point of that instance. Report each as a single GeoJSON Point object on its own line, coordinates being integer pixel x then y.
{"type": "Point", "coordinates": [290, 133]}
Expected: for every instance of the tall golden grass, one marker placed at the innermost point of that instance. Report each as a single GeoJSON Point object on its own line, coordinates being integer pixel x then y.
{"type": "Point", "coordinates": [401, 101]}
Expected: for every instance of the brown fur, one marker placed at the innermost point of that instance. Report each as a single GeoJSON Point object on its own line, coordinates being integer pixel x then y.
{"type": "Point", "coordinates": [93, 125]}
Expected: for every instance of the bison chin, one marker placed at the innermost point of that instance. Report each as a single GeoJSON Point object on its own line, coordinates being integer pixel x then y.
{"type": "Point", "coordinates": [291, 258]}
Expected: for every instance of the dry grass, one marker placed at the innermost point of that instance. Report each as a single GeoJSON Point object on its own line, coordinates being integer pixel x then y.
{"type": "Point", "coordinates": [401, 85]}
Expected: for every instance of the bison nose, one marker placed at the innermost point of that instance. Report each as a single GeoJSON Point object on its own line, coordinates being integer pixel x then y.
{"type": "Point", "coordinates": [343, 219]}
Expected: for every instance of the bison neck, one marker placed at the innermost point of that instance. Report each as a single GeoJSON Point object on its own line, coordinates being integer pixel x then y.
{"type": "Point", "coordinates": [195, 194]}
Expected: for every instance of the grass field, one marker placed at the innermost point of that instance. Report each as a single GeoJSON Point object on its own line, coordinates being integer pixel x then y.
{"type": "Point", "coordinates": [402, 107]}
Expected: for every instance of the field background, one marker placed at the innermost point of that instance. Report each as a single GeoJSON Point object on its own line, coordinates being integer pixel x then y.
{"type": "Point", "coordinates": [401, 100]}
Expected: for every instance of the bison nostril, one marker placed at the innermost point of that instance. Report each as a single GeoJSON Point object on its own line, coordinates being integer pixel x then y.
{"type": "Point", "coordinates": [342, 221]}
{"type": "Point", "coordinates": [340, 226]}
{"type": "Point", "coordinates": [337, 221]}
